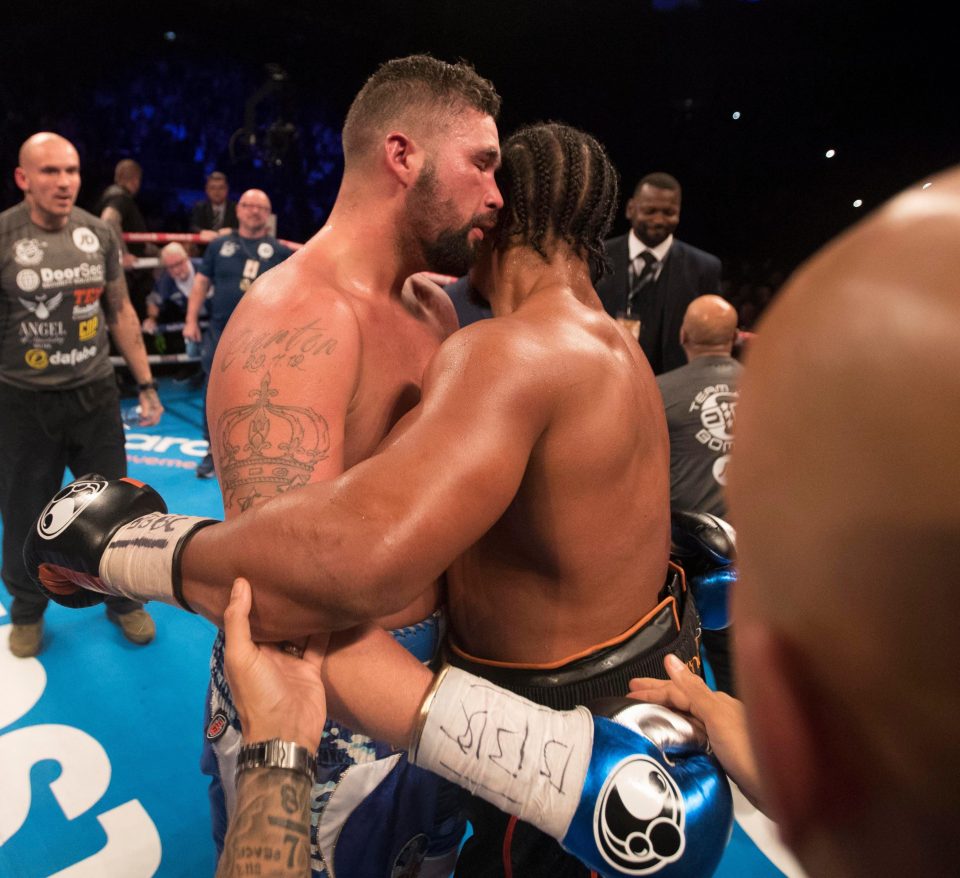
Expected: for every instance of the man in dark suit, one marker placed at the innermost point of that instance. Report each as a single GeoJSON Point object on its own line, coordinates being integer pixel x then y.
{"type": "Point", "coordinates": [217, 215]}
{"type": "Point", "coordinates": [654, 276]}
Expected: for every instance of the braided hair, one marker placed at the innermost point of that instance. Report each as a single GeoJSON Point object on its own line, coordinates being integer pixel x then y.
{"type": "Point", "coordinates": [558, 185]}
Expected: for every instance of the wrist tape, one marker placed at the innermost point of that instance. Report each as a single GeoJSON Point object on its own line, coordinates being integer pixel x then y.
{"type": "Point", "coordinates": [526, 759]}
{"type": "Point", "coordinates": [142, 560]}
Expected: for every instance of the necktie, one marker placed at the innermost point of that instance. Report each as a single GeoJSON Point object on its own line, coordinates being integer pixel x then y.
{"type": "Point", "coordinates": [644, 268]}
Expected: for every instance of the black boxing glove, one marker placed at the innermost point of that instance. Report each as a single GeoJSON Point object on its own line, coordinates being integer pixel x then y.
{"type": "Point", "coordinates": [98, 537]}
{"type": "Point", "coordinates": [706, 547]}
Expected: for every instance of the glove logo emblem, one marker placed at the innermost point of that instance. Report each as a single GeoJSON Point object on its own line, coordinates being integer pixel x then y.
{"type": "Point", "coordinates": [639, 817]}
{"type": "Point", "coordinates": [66, 505]}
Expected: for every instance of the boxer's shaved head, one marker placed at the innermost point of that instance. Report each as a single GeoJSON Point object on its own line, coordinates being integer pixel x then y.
{"type": "Point", "coordinates": [558, 185]}
{"type": "Point", "coordinates": [844, 488]}
{"type": "Point", "coordinates": [418, 93]}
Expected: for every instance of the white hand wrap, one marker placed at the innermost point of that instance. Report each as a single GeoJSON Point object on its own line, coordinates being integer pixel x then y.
{"type": "Point", "coordinates": [526, 759]}
{"type": "Point", "coordinates": [142, 560]}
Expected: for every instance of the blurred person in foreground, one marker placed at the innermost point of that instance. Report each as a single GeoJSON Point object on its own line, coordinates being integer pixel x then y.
{"type": "Point", "coordinates": [844, 486]}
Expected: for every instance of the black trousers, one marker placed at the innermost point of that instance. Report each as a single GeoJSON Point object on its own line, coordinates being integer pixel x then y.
{"type": "Point", "coordinates": [42, 432]}
{"type": "Point", "coordinates": [208, 347]}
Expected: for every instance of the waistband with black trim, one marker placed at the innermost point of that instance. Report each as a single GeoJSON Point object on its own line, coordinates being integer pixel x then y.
{"type": "Point", "coordinates": [672, 626]}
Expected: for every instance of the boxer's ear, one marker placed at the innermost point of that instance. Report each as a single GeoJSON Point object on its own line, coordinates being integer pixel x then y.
{"type": "Point", "coordinates": [403, 156]}
{"type": "Point", "coordinates": [796, 746]}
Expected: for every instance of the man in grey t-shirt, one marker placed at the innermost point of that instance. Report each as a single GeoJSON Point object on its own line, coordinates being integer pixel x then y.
{"type": "Point", "coordinates": [700, 400]}
{"type": "Point", "coordinates": [61, 290]}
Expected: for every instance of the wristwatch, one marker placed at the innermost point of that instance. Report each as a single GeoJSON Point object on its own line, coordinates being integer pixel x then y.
{"type": "Point", "coordinates": [276, 754]}
{"type": "Point", "coordinates": [147, 385]}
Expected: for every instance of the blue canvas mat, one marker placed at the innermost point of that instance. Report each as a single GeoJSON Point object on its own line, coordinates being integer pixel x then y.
{"type": "Point", "coordinates": [100, 739]}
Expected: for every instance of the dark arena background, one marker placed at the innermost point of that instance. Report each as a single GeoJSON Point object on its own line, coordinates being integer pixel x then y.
{"type": "Point", "coordinates": [259, 90]}
{"type": "Point", "coordinates": [785, 122]}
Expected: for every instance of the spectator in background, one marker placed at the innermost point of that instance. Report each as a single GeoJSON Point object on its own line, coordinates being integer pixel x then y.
{"type": "Point", "coordinates": [654, 276]}
{"type": "Point", "coordinates": [217, 214]}
{"type": "Point", "coordinates": [118, 208]}
{"type": "Point", "coordinates": [700, 400]}
{"type": "Point", "coordinates": [58, 392]}
{"type": "Point", "coordinates": [167, 303]}
{"type": "Point", "coordinates": [230, 265]}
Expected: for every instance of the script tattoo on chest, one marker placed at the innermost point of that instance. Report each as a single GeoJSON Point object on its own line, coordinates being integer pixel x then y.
{"type": "Point", "coordinates": [255, 350]}
{"type": "Point", "coordinates": [267, 448]}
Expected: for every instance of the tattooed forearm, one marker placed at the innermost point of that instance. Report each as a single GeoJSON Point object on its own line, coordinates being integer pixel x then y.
{"type": "Point", "coordinates": [282, 347]}
{"type": "Point", "coordinates": [115, 296]}
{"type": "Point", "coordinates": [267, 448]}
{"type": "Point", "coordinates": [269, 834]}
{"type": "Point", "coordinates": [125, 329]}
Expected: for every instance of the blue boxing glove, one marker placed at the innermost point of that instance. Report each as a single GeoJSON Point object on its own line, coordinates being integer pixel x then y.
{"type": "Point", "coordinates": [97, 537]}
{"type": "Point", "coordinates": [653, 796]}
{"type": "Point", "coordinates": [633, 792]}
{"type": "Point", "coordinates": [706, 547]}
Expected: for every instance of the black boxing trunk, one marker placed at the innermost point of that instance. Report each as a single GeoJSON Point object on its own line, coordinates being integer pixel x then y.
{"type": "Point", "coordinates": [672, 626]}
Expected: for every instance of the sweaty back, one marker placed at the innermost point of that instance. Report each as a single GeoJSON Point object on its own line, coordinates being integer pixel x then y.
{"type": "Point", "coordinates": [584, 544]}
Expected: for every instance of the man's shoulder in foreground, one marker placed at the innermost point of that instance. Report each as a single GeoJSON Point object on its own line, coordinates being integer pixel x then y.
{"type": "Point", "coordinates": [543, 340]}
{"type": "Point", "coordinates": [296, 289]}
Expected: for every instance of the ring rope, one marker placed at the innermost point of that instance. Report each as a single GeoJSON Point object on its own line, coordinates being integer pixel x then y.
{"type": "Point", "coordinates": [183, 238]}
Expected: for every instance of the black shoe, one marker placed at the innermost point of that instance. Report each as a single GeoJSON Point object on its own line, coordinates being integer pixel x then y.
{"type": "Point", "coordinates": [205, 468]}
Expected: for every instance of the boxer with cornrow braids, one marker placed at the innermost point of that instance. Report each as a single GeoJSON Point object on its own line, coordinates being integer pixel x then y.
{"type": "Point", "coordinates": [534, 472]}
{"type": "Point", "coordinates": [566, 200]}
{"type": "Point", "coordinates": [573, 161]}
